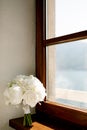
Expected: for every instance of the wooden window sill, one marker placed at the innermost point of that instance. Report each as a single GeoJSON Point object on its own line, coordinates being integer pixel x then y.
{"type": "Point", "coordinates": [44, 122]}
{"type": "Point", "coordinates": [18, 125]}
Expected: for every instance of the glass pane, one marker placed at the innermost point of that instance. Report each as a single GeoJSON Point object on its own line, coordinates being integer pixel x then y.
{"type": "Point", "coordinates": [66, 17]}
{"type": "Point", "coordinates": [67, 73]}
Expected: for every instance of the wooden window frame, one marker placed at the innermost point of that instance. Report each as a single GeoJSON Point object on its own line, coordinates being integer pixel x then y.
{"type": "Point", "coordinates": [71, 114]}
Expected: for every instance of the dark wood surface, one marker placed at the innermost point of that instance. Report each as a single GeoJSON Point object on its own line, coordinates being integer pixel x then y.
{"type": "Point", "coordinates": [67, 113]}
{"type": "Point", "coordinates": [40, 38]}
{"type": "Point", "coordinates": [67, 38]}
{"type": "Point", "coordinates": [44, 122]}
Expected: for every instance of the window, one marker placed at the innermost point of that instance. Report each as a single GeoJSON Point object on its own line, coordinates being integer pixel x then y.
{"type": "Point", "coordinates": [65, 17]}
{"type": "Point", "coordinates": [67, 73]}
{"type": "Point", "coordinates": [47, 47]}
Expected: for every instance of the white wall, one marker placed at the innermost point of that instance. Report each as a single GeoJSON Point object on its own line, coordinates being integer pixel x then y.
{"type": "Point", "coordinates": [17, 49]}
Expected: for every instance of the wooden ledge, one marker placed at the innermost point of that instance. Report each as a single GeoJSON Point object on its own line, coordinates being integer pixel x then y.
{"type": "Point", "coordinates": [44, 122]}
{"type": "Point", "coordinates": [17, 124]}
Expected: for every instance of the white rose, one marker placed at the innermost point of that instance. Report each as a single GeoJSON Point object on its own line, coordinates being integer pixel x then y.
{"type": "Point", "coordinates": [30, 98]}
{"type": "Point", "coordinates": [35, 92]}
{"type": "Point", "coordinates": [13, 95]}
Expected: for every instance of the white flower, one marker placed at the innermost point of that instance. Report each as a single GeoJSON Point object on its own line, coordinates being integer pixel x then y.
{"type": "Point", "coordinates": [28, 89]}
{"type": "Point", "coordinates": [35, 92]}
{"type": "Point", "coordinates": [13, 95]}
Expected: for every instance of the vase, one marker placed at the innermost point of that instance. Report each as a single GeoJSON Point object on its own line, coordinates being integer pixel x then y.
{"type": "Point", "coordinates": [27, 122]}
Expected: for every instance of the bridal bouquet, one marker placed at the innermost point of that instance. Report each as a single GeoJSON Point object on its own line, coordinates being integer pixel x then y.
{"type": "Point", "coordinates": [25, 90]}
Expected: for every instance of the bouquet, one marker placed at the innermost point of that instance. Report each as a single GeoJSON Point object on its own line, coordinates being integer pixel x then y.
{"type": "Point", "coordinates": [25, 90]}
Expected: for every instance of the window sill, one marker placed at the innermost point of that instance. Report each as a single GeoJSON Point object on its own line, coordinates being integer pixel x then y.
{"type": "Point", "coordinates": [70, 114]}
{"type": "Point", "coordinates": [43, 122]}
{"type": "Point", "coordinates": [36, 125]}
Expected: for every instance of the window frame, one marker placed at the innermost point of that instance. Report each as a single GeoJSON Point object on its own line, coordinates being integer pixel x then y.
{"type": "Point", "coordinates": [57, 110]}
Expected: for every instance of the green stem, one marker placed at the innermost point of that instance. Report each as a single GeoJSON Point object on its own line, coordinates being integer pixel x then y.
{"type": "Point", "coordinates": [27, 120]}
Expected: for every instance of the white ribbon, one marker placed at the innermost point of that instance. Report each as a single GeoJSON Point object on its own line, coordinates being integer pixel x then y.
{"type": "Point", "coordinates": [26, 109]}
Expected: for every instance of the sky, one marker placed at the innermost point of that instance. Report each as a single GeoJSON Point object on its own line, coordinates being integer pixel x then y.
{"type": "Point", "coordinates": [70, 16]}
